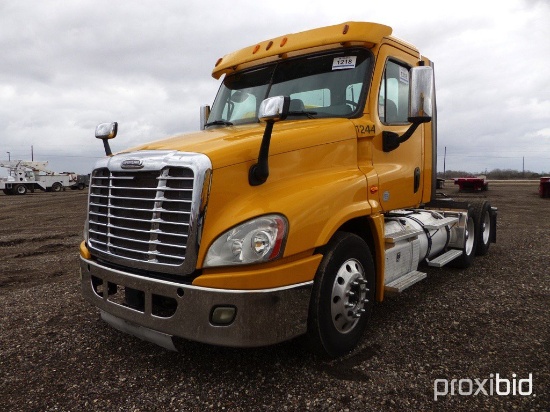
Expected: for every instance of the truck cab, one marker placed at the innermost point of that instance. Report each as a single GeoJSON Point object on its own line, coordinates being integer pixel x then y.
{"type": "Point", "coordinates": [307, 195]}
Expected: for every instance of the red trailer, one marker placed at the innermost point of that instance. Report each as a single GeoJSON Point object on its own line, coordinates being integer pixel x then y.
{"type": "Point", "coordinates": [544, 188]}
{"type": "Point", "coordinates": [471, 183]}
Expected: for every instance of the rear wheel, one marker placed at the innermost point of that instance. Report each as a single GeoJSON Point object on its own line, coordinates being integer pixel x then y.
{"type": "Point", "coordinates": [20, 189]}
{"type": "Point", "coordinates": [56, 187]}
{"type": "Point", "coordinates": [470, 243]}
{"type": "Point", "coordinates": [482, 218]}
{"type": "Point", "coordinates": [342, 297]}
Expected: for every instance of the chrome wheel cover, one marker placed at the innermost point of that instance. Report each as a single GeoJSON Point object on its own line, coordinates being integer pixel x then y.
{"type": "Point", "coordinates": [349, 296]}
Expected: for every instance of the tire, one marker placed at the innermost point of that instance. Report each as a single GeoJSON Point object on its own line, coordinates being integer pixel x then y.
{"type": "Point", "coordinates": [343, 296]}
{"type": "Point", "coordinates": [20, 189]}
{"type": "Point", "coordinates": [56, 187]}
{"type": "Point", "coordinates": [470, 243]}
{"type": "Point", "coordinates": [484, 227]}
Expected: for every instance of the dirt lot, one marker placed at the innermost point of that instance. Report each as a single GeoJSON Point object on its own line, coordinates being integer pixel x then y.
{"type": "Point", "coordinates": [56, 354]}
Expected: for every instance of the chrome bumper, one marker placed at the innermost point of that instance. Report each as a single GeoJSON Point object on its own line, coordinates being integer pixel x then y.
{"type": "Point", "coordinates": [263, 317]}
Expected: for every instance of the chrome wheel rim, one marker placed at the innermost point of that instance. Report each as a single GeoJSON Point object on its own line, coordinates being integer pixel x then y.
{"type": "Point", "coordinates": [486, 228]}
{"type": "Point", "coordinates": [349, 296]}
{"type": "Point", "coordinates": [470, 229]}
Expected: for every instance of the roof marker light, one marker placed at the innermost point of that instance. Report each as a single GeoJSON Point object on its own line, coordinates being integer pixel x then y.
{"type": "Point", "coordinates": [346, 28]}
{"type": "Point", "coordinates": [219, 61]}
{"type": "Point", "coordinates": [269, 45]}
{"type": "Point", "coordinates": [283, 41]}
{"type": "Point", "coordinates": [256, 48]}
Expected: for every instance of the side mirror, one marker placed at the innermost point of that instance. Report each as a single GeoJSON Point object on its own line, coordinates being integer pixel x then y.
{"type": "Point", "coordinates": [204, 113]}
{"type": "Point", "coordinates": [421, 90]}
{"type": "Point", "coordinates": [106, 131]}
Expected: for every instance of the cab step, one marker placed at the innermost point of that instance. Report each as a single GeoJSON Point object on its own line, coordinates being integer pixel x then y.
{"type": "Point", "coordinates": [403, 282]}
{"type": "Point", "coordinates": [406, 234]}
{"type": "Point", "coordinates": [445, 258]}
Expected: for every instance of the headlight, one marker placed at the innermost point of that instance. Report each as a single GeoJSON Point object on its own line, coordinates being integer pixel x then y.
{"type": "Point", "coordinates": [259, 240]}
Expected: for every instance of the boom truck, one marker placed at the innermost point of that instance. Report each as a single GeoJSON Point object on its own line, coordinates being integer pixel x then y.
{"type": "Point", "coordinates": [27, 176]}
{"type": "Point", "coordinates": [307, 196]}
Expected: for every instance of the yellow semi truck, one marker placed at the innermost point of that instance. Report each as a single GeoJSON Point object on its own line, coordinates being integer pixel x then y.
{"type": "Point", "coordinates": [307, 196]}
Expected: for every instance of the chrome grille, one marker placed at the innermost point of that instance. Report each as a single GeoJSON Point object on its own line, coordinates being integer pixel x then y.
{"type": "Point", "coordinates": [143, 216]}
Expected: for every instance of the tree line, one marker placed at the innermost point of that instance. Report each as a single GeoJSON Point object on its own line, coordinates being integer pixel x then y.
{"type": "Point", "coordinates": [496, 174]}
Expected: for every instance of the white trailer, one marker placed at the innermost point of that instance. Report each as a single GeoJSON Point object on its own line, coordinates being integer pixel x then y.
{"type": "Point", "coordinates": [29, 175]}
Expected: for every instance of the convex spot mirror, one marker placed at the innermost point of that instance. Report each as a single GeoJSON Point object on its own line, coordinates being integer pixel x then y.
{"type": "Point", "coordinates": [106, 130]}
{"type": "Point", "coordinates": [274, 108]}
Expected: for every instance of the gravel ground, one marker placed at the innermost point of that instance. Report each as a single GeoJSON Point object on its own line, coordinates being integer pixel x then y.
{"type": "Point", "coordinates": [57, 355]}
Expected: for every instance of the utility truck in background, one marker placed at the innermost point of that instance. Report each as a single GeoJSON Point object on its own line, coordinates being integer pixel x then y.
{"type": "Point", "coordinates": [308, 195]}
{"type": "Point", "coordinates": [27, 176]}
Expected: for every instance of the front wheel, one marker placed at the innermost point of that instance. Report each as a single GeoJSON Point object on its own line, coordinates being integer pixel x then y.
{"type": "Point", "coordinates": [342, 297]}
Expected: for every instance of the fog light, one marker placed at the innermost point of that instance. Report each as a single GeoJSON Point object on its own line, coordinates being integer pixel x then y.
{"type": "Point", "coordinates": [223, 315]}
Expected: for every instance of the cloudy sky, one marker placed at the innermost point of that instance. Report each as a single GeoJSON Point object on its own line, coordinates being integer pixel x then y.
{"type": "Point", "coordinates": [68, 65]}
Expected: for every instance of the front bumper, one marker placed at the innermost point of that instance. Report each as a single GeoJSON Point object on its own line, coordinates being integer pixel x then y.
{"type": "Point", "coordinates": [262, 317]}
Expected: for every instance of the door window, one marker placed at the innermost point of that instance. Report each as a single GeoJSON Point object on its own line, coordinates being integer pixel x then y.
{"type": "Point", "coordinates": [393, 100]}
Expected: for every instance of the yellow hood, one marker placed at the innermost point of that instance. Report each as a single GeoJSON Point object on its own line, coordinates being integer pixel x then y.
{"type": "Point", "coordinates": [227, 146]}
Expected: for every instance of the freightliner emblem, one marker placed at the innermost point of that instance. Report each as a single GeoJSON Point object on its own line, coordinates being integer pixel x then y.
{"type": "Point", "coordinates": [132, 164]}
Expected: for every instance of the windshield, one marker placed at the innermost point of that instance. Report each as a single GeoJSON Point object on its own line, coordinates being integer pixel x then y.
{"type": "Point", "coordinates": [321, 85]}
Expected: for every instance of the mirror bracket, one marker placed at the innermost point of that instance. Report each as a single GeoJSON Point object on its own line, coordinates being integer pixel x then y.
{"type": "Point", "coordinates": [271, 110]}
{"type": "Point", "coordinates": [391, 140]}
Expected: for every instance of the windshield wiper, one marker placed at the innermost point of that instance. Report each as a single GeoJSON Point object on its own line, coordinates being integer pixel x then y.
{"type": "Point", "coordinates": [309, 114]}
{"type": "Point", "coordinates": [219, 123]}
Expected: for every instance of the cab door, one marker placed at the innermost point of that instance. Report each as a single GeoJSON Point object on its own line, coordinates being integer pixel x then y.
{"type": "Point", "coordinates": [400, 171]}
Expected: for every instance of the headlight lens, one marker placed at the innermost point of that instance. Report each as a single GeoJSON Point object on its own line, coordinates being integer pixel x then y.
{"type": "Point", "coordinates": [259, 240]}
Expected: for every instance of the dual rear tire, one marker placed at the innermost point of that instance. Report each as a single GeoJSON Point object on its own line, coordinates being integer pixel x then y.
{"type": "Point", "coordinates": [480, 232]}
{"type": "Point", "coordinates": [484, 222]}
